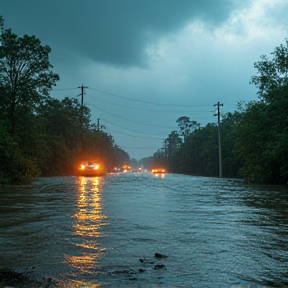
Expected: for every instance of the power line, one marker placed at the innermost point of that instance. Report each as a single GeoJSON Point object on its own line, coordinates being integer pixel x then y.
{"type": "Point", "coordinates": [152, 125]}
{"type": "Point", "coordinates": [64, 89]}
{"type": "Point", "coordinates": [149, 110]}
{"type": "Point", "coordinates": [147, 102]}
{"type": "Point", "coordinates": [142, 101]}
{"type": "Point", "coordinates": [137, 131]}
{"type": "Point", "coordinates": [135, 136]}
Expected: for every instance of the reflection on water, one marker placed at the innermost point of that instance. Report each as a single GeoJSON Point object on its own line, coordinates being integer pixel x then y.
{"type": "Point", "coordinates": [160, 175]}
{"type": "Point", "coordinates": [87, 233]}
{"type": "Point", "coordinates": [88, 219]}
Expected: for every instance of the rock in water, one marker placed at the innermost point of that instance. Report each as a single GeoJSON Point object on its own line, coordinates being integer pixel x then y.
{"type": "Point", "coordinates": [160, 256]}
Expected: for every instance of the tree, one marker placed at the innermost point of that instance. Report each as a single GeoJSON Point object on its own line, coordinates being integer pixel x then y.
{"type": "Point", "coordinates": [199, 154]}
{"type": "Point", "coordinates": [186, 126]}
{"type": "Point", "coordinates": [263, 131]}
{"type": "Point", "coordinates": [173, 144]}
{"type": "Point", "coordinates": [14, 167]}
{"type": "Point", "coordinates": [121, 156]}
{"type": "Point", "coordinates": [40, 135]}
{"type": "Point", "coordinates": [272, 75]}
{"type": "Point", "coordinates": [159, 159]}
{"type": "Point", "coordinates": [61, 127]}
{"type": "Point", "coordinates": [1, 24]}
{"type": "Point", "coordinates": [231, 162]}
{"type": "Point", "coordinates": [25, 75]}
{"type": "Point", "coordinates": [252, 135]}
{"type": "Point", "coordinates": [147, 162]}
{"type": "Point", "coordinates": [201, 151]}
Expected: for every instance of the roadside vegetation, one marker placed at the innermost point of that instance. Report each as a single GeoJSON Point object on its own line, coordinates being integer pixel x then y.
{"type": "Point", "coordinates": [254, 138]}
{"type": "Point", "coordinates": [41, 135]}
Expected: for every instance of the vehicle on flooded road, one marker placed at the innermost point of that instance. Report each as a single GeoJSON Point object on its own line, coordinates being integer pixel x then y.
{"type": "Point", "coordinates": [158, 170]}
{"type": "Point", "coordinates": [91, 168]}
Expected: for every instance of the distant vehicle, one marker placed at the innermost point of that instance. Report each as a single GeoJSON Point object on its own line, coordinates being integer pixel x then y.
{"type": "Point", "coordinates": [91, 168]}
{"type": "Point", "coordinates": [158, 170]}
{"type": "Point", "coordinates": [127, 168]}
{"type": "Point", "coordinates": [116, 169]}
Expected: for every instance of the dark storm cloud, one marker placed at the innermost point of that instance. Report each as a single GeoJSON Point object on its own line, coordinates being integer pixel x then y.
{"type": "Point", "coordinates": [111, 31]}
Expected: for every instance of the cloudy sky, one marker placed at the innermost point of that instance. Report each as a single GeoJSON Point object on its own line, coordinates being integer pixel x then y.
{"type": "Point", "coordinates": [149, 62]}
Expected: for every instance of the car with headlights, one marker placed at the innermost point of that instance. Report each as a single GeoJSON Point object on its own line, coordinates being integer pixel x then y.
{"type": "Point", "coordinates": [91, 168]}
{"type": "Point", "coordinates": [158, 170]}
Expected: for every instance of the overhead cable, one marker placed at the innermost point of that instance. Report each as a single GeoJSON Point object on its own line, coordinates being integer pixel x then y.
{"type": "Point", "coordinates": [137, 131]}
{"type": "Point", "coordinates": [147, 102]}
{"type": "Point", "coordinates": [153, 125]}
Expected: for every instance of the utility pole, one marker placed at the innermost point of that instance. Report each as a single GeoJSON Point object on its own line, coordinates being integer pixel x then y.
{"type": "Point", "coordinates": [82, 94]}
{"type": "Point", "coordinates": [219, 140]}
{"type": "Point", "coordinates": [81, 115]}
{"type": "Point", "coordinates": [165, 148]}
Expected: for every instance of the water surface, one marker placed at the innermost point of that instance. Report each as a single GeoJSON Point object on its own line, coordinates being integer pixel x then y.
{"type": "Point", "coordinates": [105, 231]}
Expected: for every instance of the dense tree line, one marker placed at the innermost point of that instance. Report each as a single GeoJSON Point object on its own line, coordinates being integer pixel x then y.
{"type": "Point", "coordinates": [254, 138]}
{"type": "Point", "coordinates": [41, 135]}
{"type": "Point", "coordinates": [198, 155]}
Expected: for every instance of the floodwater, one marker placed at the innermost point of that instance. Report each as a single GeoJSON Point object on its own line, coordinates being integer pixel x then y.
{"type": "Point", "coordinates": [105, 231]}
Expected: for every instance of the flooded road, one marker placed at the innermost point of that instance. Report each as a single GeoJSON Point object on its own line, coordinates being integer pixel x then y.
{"type": "Point", "coordinates": [105, 231]}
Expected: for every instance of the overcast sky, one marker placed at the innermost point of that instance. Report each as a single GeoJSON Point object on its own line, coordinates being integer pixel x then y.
{"type": "Point", "coordinates": [149, 62]}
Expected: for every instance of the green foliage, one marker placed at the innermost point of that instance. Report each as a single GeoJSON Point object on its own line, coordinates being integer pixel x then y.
{"type": "Point", "coordinates": [263, 131]}
{"type": "Point", "coordinates": [253, 139]}
{"type": "Point", "coordinates": [98, 145]}
{"type": "Point", "coordinates": [14, 167]}
{"type": "Point", "coordinates": [25, 74]}
{"type": "Point", "coordinates": [70, 137]}
{"type": "Point", "coordinates": [199, 154]}
{"type": "Point", "coordinates": [40, 135]}
{"type": "Point", "coordinates": [262, 141]}
{"type": "Point", "coordinates": [231, 162]}
{"type": "Point", "coordinates": [147, 162]}
{"type": "Point", "coordinates": [25, 78]}
{"type": "Point", "coordinates": [272, 73]}
{"type": "Point", "coordinates": [159, 160]}
{"type": "Point", "coordinates": [121, 157]}
{"type": "Point", "coordinates": [173, 143]}
{"type": "Point", "coordinates": [186, 126]}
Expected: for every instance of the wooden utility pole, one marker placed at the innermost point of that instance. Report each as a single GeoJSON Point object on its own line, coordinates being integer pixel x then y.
{"type": "Point", "coordinates": [219, 139]}
{"type": "Point", "coordinates": [82, 94]}
{"type": "Point", "coordinates": [81, 115]}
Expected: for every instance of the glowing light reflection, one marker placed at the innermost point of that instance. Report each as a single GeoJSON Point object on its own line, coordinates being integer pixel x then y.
{"type": "Point", "coordinates": [88, 219]}
{"type": "Point", "coordinates": [160, 175]}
